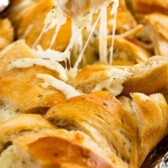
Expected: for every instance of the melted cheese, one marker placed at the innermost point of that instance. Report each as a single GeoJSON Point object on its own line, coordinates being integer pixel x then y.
{"type": "Point", "coordinates": [60, 20]}
{"type": "Point", "coordinates": [28, 62]}
{"type": "Point", "coordinates": [26, 33]}
{"type": "Point", "coordinates": [78, 45]}
{"type": "Point", "coordinates": [113, 83]}
{"type": "Point", "coordinates": [88, 39]}
{"type": "Point", "coordinates": [75, 33]}
{"type": "Point", "coordinates": [49, 54]}
{"type": "Point", "coordinates": [55, 18]}
{"type": "Point", "coordinates": [50, 58]}
{"type": "Point", "coordinates": [113, 12]}
{"type": "Point", "coordinates": [68, 90]}
{"type": "Point", "coordinates": [103, 35]}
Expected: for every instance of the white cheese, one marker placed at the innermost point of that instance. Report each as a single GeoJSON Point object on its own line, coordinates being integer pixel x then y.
{"type": "Point", "coordinates": [55, 18]}
{"type": "Point", "coordinates": [28, 62]}
{"type": "Point", "coordinates": [75, 33]}
{"type": "Point", "coordinates": [50, 58]}
{"type": "Point", "coordinates": [68, 90]}
{"type": "Point", "coordinates": [113, 12]}
{"type": "Point", "coordinates": [27, 31]}
{"type": "Point", "coordinates": [49, 54]}
{"type": "Point", "coordinates": [103, 35]}
{"type": "Point", "coordinates": [87, 41]}
{"type": "Point", "coordinates": [113, 83]}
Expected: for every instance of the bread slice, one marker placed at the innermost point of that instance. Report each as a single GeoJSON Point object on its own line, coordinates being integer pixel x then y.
{"type": "Point", "coordinates": [25, 94]}
{"type": "Point", "coordinates": [128, 53]}
{"type": "Point", "coordinates": [147, 77]}
{"type": "Point", "coordinates": [30, 26]}
{"type": "Point", "coordinates": [95, 114]}
{"type": "Point", "coordinates": [50, 152]}
{"type": "Point", "coordinates": [156, 25]}
{"type": "Point", "coordinates": [35, 149]}
{"type": "Point", "coordinates": [21, 125]}
{"type": "Point", "coordinates": [101, 77]}
{"type": "Point", "coordinates": [151, 115]}
{"type": "Point", "coordinates": [10, 53]}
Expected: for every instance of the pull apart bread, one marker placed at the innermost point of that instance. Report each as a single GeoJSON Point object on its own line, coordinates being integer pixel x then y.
{"type": "Point", "coordinates": [80, 129]}
{"type": "Point", "coordinates": [77, 88]}
{"type": "Point", "coordinates": [147, 77]}
{"type": "Point", "coordinates": [20, 88]}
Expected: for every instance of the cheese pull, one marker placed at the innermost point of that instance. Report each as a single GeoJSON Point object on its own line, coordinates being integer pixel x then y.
{"type": "Point", "coordinates": [143, 78]}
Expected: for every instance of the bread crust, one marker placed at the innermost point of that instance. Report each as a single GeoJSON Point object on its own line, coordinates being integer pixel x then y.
{"type": "Point", "coordinates": [144, 7]}
{"type": "Point", "coordinates": [6, 33]}
{"type": "Point", "coordinates": [62, 152]}
{"type": "Point", "coordinates": [20, 125]}
{"type": "Point", "coordinates": [150, 113]}
{"type": "Point", "coordinates": [89, 114]}
{"type": "Point", "coordinates": [20, 86]}
{"type": "Point", "coordinates": [146, 77]}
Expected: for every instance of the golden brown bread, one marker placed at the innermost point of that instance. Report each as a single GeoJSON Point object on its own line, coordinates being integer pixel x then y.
{"type": "Point", "coordinates": [145, 7]}
{"type": "Point", "coordinates": [151, 114]}
{"type": "Point", "coordinates": [125, 20]}
{"type": "Point", "coordinates": [20, 125]}
{"type": "Point", "coordinates": [156, 27]}
{"type": "Point", "coordinates": [95, 128]}
{"type": "Point", "coordinates": [6, 33]}
{"type": "Point", "coordinates": [27, 138]}
{"type": "Point", "coordinates": [143, 77]}
{"type": "Point", "coordinates": [101, 77]}
{"type": "Point", "coordinates": [29, 26]}
{"type": "Point", "coordinates": [143, 120]}
{"type": "Point", "coordinates": [148, 77]}
{"type": "Point", "coordinates": [56, 154]}
{"type": "Point", "coordinates": [25, 94]}
{"type": "Point", "coordinates": [10, 53]}
{"type": "Point", "coordinates": [28, 97]}
{"type": "Point", "coordinates": [24, 130]}
{"type": "Point", "coordinates": [50, 152]}
{"type": "Point", "coordinates": [8, 109]}
{"type": "Point", "coordinates": [128, 53]}
{"type": "Point", "coordinates": [95, 114]}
